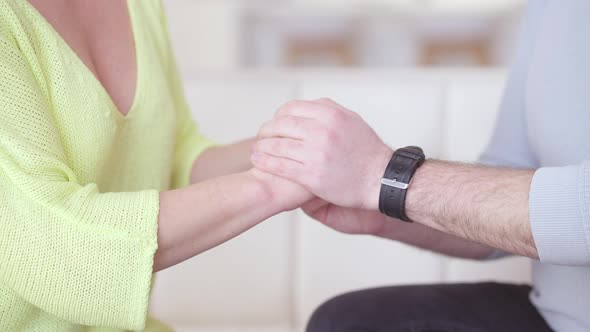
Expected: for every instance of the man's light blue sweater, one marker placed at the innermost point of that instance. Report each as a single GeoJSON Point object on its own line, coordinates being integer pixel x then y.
{"type": "Point", "coordinates": [544, 124]}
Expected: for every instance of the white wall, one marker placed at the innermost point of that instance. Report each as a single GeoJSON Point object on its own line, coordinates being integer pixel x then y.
{"type": "Point", "coordinates": [205, 33]}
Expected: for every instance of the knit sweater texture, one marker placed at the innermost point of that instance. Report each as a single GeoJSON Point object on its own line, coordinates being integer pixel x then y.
{"type": "Point", "coordinates": [80, 182]}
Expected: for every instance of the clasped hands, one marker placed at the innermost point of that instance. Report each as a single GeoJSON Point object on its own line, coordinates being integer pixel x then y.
{"type": "Point", "coordinates": [327, 160]}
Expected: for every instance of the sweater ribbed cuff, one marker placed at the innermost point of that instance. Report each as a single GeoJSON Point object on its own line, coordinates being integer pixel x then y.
{"type": "Point", "coordinates": [559, 201]}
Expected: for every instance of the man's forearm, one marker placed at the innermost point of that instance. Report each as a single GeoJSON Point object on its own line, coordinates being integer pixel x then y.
{"type": "Point", "coordinates": [333, 153]}
{"type": "Point", "coordinates": [424, 237]}
{"type": "Point", "coordinates": [482, 204]}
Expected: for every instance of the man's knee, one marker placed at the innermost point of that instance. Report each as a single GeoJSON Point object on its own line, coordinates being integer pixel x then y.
{"type": "Point", "coordinates": [329, 316]}
{"type": "Point", "coordinates": [380, 309]}
{"type": "Point", "coordinates": [359, 311]}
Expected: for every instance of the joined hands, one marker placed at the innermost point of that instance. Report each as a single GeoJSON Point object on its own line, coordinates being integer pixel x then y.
{"type": "Point", "coordinates": [324, 149]}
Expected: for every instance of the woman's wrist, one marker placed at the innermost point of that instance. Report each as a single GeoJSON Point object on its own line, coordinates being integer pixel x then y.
{"type": "Point", "coordinates": [201, 216]}
{"type": "Point", "coordinates": [222, 160]}
{"type": "Point", "coordinates": [279, 194]}
{"type": "Point", "coordinates": [266, 191]}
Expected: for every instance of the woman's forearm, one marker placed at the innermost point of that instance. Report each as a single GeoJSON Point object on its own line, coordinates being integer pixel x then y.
{"type": "Point", "coordinates": [201, 216]}
{"type": "Point", "coordinates": [222, 160]}
{"type": "Point", "coordinates": [226, 198]}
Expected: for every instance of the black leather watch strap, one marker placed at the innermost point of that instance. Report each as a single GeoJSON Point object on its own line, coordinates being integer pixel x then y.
{"type": "Point", "coordinates": [396, 180]}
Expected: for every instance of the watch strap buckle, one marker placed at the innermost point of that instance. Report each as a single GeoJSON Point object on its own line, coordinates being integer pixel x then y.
{"type": "Point", "coordinates": [395, 183]}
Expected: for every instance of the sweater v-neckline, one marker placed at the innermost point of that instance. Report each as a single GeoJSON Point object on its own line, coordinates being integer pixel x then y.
{"type": "Point", "coordinates": [136, 94]}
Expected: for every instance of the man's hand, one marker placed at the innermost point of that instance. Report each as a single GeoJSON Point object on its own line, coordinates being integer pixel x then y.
{"type": "Point", "coordinates": [334, 154]}
{"type": "Point", "coordinates": [328, 149]}
{"type": "Point", "coordinates": [346, 220]}
{"type": "Point", "coordinates": [366, 222]}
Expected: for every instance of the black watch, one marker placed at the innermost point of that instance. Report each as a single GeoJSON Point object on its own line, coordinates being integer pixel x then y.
{"type": "Point", "coordinates": [396, 181]}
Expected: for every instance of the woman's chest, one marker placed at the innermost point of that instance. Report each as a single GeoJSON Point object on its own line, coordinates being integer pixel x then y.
{"type": "Point", "coordinates": [118, 152]}
{"type": "Point", "coordinates": [100, 34]}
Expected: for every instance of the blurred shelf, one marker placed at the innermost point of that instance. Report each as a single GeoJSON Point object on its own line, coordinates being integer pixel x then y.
{"type": "Point", "coordinates": [418, 7]}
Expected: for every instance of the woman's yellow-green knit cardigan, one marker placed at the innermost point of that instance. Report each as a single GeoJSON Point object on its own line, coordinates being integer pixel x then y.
{"type": "Point", "coordinates": [79, 182]}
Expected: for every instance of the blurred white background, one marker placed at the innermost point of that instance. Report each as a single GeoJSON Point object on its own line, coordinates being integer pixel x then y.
{"type": "Point", "coordinates": [439, 63]}
{"type": "Point", "coordinates": [224, 34]}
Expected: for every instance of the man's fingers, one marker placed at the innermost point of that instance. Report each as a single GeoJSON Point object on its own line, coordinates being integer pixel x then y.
{"type": "Point", "coordinates": [298, 108]}
{"type": "Point", "coordinates": [283, 167]}
{"type": "Point", "coordinates": [314, 205]}
{"type": "Point", "coordinates": [281, 147]}
{"type": "Point", "coordinates": [287, 126]}
{"type": "Point", "coordinates": [328, 102]}
{"type": "Point", "coordinates": [309, 109]}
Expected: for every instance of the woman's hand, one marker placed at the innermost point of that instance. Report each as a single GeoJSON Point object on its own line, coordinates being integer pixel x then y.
{"type": "Point", "coordinates": [287, 195]}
